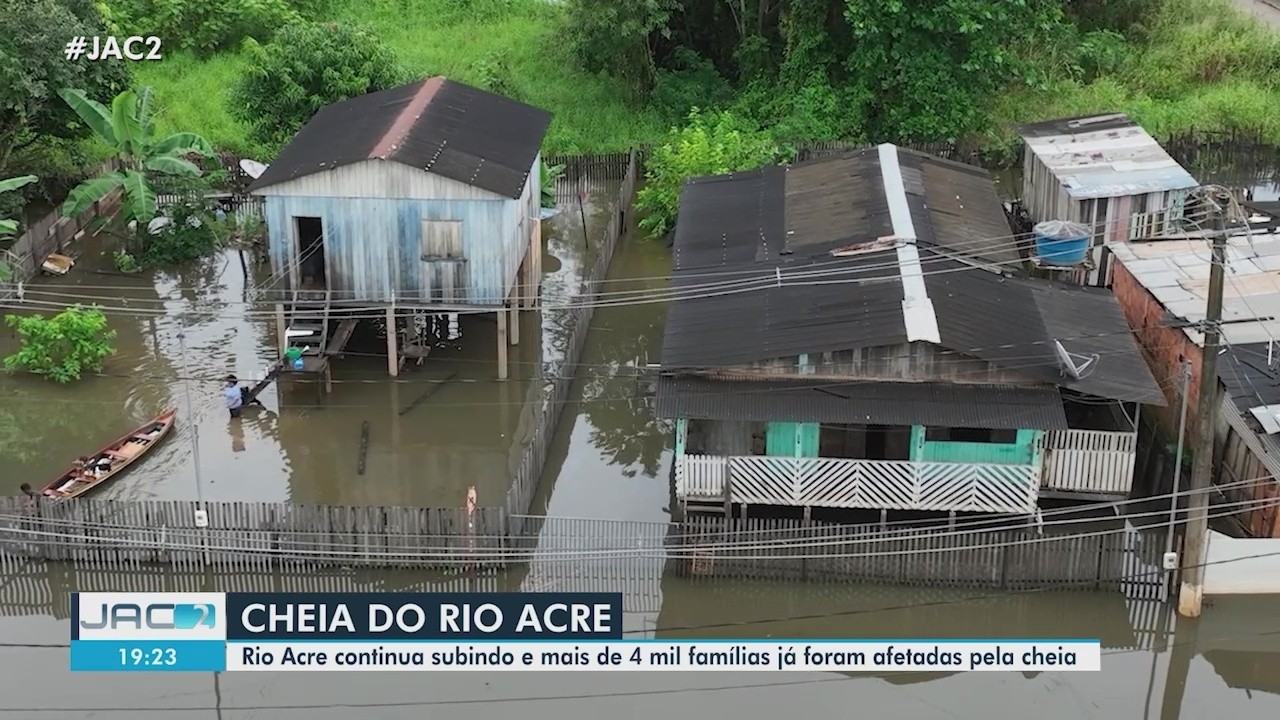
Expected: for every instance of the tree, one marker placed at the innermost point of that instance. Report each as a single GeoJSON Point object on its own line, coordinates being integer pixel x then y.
{"type": "Point", "coordinates": [710, 144]}
{"type": "Point", "coordinates": [129, 130]}
{"type": "Point", "coordinates": [931, 66]}
{"type": "Point", "coordinates": [63, 347]}
{"type": "Point", "coordinates": [32, 36]}
{"type": "Point", "coordinates": [305, 67]}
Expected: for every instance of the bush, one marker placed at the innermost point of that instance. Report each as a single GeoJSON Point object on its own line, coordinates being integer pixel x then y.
{"type": "Point", "coordinates": [203, 26]}
{"type": "Point", "coordinates": [187, 237]}
{"type": "Point", "coordinates": [305, 67]}
{"type": "Point", "coordinates": [710, 144]}
{"type": "Point", "coordinates": [63, 347]}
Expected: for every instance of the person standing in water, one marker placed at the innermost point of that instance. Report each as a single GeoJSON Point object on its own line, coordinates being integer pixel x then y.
{"type": "Point", "coordinates": [232, 397]}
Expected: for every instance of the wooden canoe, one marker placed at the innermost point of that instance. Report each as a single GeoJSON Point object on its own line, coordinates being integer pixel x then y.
{"type": "Point", "coordinates": [121, 454]}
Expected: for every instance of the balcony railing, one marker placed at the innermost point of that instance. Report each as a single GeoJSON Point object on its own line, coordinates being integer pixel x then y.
{"type": "Point", "coordinates": [874, 484]}
{"type": "Point", "coordinates": [1090, 461]}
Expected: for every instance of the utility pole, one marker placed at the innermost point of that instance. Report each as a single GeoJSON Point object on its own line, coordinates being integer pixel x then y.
{"type": "Point", "coordinates": [1177, 471]}
{"type": "Point", "coordinates": [1192, 591]}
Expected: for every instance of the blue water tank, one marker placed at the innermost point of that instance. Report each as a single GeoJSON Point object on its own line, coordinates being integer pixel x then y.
{"type": "Point", "coordinates": [1062, 243]}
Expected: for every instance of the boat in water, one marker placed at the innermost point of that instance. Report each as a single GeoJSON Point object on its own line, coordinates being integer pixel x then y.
{"type": "Point", "coordinates": [111, 460]}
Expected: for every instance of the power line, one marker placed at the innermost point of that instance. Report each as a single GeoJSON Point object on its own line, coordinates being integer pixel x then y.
{"type": "Point", "coordinates": [277, 546]}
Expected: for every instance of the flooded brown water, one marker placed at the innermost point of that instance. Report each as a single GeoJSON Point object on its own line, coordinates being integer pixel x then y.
{"type": "Point", "coordinates": [609, 460]}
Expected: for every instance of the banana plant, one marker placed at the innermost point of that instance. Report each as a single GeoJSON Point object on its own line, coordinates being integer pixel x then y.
{"type": "Point", "coordinates": [128, 127]}
{"type": "Point", "coordinates": [10, 227]}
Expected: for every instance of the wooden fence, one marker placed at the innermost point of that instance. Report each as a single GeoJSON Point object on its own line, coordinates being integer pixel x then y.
{"type": "Point", "coordinates": [54, 233]}
{"type": "Point", "coordinates": [565, 554]}
{"type": "Point", "coordinates": [529, 473]}
{"type": "Point", "coordinates": [1098, 558]}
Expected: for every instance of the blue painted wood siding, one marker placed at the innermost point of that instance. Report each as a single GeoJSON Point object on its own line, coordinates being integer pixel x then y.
{"type": "Point", "coordinates": [372, 245]}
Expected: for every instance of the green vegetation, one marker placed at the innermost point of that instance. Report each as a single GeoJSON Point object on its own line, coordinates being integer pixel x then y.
{"type": "Point", "coordinates": [207, 26]}
{"type": "Point", "coordinates": [10, 227]}
{"type": "Point", "coordinates": [129, 130]}
{"type": "Point", "coordinates": [1189, 64]}
{"type": "Point", "coordinates": [547, 177]}
{"type": "Point", "coordinates": [305, 67]}
{"type": "Point", "coordinates": [707, 145]}
{"type": "Point", "coordinates": [62, 348]}
{"type": "Point", "coordinates": [512, 46]}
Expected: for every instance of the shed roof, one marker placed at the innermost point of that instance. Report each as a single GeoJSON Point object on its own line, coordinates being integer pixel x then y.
{"type": "Point", "coordinates": [999, 407]}
{"type": "Point", "coordinates": [435, 125]}
{"type": "Point", "coordinates": [1104, 156]}
{"type": "Point", "coordinates": [1176, 273]}
{"type": "Point", "coordinates": [773, 231]}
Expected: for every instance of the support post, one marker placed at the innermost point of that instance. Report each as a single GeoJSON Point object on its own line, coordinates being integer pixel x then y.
{"type": "Point", "coordinates": [513, 320]}
{"type": "Point", "coordinates": [393, 359]}
{"type": "Point", "coordinates": [1191, 594]}
{"type": "Point", "coordinates": [502, 343]}
{"type": "Point", "coordinates": [535, 288]}
{"type": "Point", "coordinates": [282, 339]}
{"type": "Point", "coordinates": [1177, 468]}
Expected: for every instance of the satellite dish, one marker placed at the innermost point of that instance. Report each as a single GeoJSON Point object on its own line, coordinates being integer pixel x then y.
{"type": "Point", "coordinates": [1068, 361]}
{"type": "Point", "coordinates": [252, 168]}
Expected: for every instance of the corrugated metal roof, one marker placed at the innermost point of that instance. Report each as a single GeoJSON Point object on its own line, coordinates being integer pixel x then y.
{"type": "Point", "coordinates": [795, 303]}
{"type": "Point", "coordinates": [436, 125]}
{"type": "Point", "coordinates": [1250, 380]}
{"type": "Point", "coordinates": [1176, 272]}
{"type": "Point", "coordinates": [1104, 156]}
{"type": "Point", "coordinates": [1000, 407]}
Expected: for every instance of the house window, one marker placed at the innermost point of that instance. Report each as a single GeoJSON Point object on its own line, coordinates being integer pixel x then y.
{"type": "Point", "coordinates": [441, 240]}
{"type": "Point", "coordinates": [971, 435]}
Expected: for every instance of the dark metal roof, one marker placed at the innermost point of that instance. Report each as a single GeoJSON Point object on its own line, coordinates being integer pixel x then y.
{"type": "Point", "coordinates": [436, 125]}
{"type": "Point", "coordinates": [1000, 407]}
{"type": "Point", "coordinates": [1075, 125]}
{"type": "Point", "coordinates": [771, 232]}
{"type": "Point", "coordinates": [1248, 380]}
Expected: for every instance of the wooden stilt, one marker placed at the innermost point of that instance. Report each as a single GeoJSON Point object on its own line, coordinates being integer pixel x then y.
{"type": "Point", "coordinates": [535, 287]}
{"type": "Point", "coordinates": [282, 338]}
{"type": "Point", "coordinates": [514, 321]}
{"type": "Point", "coordinates": [393, 359]}
{"type": "Point", "coordinates": [502, 343]}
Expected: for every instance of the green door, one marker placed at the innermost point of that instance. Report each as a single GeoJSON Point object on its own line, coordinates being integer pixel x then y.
{"type": "Point", "coordinates": [789, 439]}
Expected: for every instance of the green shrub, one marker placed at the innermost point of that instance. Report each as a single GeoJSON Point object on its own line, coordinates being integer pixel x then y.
{"type": "Point", "coordinates": [186, 238]}
{"type": "Point", "coordinates": [203, 26]}
{"type": "Point", "coordinates": [62, 348]}
{"type": "Point", "coordinates": [125, 262]}
{"type": "Point", "coordinates": [305, 67]}
{"type": "Point", "coordinates": [710, 144]}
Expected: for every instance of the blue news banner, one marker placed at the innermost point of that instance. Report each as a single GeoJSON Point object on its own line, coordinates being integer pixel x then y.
{"type": "Point", "coordinates": [529, 632]}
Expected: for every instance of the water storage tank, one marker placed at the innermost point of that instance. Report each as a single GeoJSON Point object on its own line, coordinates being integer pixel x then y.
{"type": "Point", "coordinates": [1062, 243]}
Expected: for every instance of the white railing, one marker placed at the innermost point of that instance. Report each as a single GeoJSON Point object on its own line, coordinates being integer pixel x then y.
{"type": "Point", "coordinates": [841, 483]}
{"type": "Point", "coordinates": [1089, 461]}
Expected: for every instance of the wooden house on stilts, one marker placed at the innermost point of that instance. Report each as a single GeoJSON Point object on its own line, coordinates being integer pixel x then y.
{"type": "Point", "coordinates": [417, 204]}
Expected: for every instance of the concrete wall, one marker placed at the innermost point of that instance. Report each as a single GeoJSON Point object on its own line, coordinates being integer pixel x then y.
{"type": "Point", "coordinates": [1235, 566]}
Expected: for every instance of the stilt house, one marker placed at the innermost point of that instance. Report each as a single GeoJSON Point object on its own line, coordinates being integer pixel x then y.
{"type": "Point", "coordinates": [1104, 172]}
{"type": "Point", "coordinates": [423, 198]}
{"type": "Point", "coordinates": [874, 352]}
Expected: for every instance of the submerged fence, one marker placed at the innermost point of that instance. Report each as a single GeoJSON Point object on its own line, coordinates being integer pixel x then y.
{"type": "Point", "coordinates": [529, 473]}
{"type": "Point", "coordinates": [572, 554]}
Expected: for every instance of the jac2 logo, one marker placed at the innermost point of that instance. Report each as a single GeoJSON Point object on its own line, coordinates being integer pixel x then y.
{"type": "Point", "coordinates": [158, 616]}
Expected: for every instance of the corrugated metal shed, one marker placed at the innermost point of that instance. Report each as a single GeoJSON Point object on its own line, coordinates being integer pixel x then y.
{"type": "Point", "coordinates": [774, 230]}
{"type": "Point", "coordinates": [435, 125]}
{"type": "Point", "coordinates": [948, 405]}
{"type": "Point", "coordinates": [1104, 156]}
{"type": "Point", "coordinates": [1176, 272]}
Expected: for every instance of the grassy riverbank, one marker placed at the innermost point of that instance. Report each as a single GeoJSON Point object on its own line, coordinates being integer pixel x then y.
{"type": "Point", "coordinates": [1195, 64]}
{"type": "Point", "coordinates": [1201, 64]}
{"type": "Point", "coordinates": [519, 44]}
